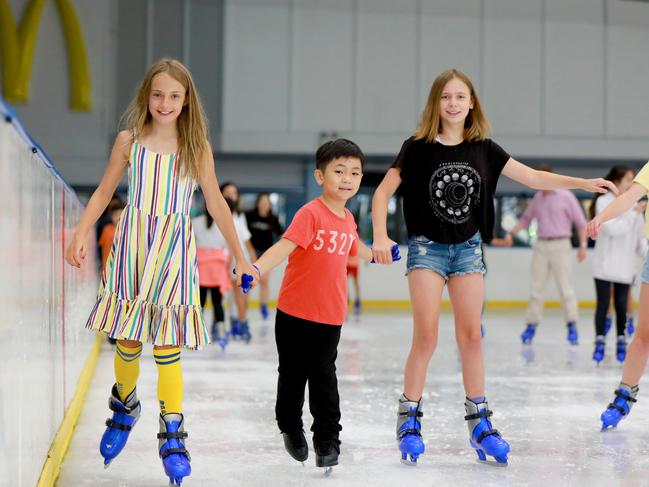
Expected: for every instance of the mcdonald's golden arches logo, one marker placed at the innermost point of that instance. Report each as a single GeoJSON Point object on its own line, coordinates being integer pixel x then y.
{"type": "Point", "coordinates": [18, 43]}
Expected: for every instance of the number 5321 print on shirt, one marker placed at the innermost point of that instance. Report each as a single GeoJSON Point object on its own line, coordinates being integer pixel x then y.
{"type": "Point", "coordinates": [342, 242]}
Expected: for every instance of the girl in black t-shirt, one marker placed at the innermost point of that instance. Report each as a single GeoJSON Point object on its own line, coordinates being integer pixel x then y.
{"type": "Point", "coordinates": [264, 230]}
{"type": "Point", "coordinates": [448, 171]}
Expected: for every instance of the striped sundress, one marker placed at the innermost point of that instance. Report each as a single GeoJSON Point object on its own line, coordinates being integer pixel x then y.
{"type": "Point", "coordinates": [149, 287]}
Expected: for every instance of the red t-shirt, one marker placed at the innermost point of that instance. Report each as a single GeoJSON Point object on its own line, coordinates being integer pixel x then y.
{"type": "Point", "coordinates": [314, 287]}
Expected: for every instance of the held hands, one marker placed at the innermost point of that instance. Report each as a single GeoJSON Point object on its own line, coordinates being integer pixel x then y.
{"type": "Point", "coordinates": [76, 251]}
{"type": "Point", "coordinates": [599, 185]}
{"type": "Point", "coordinates": [382, 251]}
{"type": "Point", "coordinates": [247, 276]}
{"type": "Point", "coordinates": [593, 228]}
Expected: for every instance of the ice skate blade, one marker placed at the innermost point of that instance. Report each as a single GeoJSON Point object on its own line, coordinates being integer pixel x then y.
{"type": "Point", "coordinates": [327, 471]}
{"type": "Point", "coordinates": [106, 465]}
{"type": "Point", "coordinates": [493, 463]}
{"type": "Point", "coordinates": [410, 463]}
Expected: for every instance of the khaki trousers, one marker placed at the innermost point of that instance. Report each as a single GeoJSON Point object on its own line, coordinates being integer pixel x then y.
{"type": "Point", "coordinates": [552, 257]}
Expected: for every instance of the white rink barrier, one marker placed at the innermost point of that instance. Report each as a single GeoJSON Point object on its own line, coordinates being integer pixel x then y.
{"type": "Point", "coordinates": [44, 302]}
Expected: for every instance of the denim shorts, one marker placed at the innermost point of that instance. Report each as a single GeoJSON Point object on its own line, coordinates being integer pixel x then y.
{"type": "Point", "coordinates": [447, 260]}
{"type": "Point", "coordinates": [645, 270]}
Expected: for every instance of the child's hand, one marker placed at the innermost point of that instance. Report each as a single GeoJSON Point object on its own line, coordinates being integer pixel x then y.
{"type": "Point", "coordinates": [599, 185]}
{"type": "Point", "coordinates": [396, 256]}
{"type": "Point", "coordinates": [250, 270]}
{"type": "Point", "coordinates": [76, 252]}
{"type": "Point", "coordinates": [382, 250]}
{"type": "Point", "coordinates": [593, 228]}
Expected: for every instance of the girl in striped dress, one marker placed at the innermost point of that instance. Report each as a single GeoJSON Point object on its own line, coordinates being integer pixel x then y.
{"type": "Point", "coordinates": [149, 289]}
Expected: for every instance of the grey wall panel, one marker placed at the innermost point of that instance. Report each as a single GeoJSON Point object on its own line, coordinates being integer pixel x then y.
{"type": "Point", "coordinates": [574, 94]}
{"type": "Point", "coordinates": [512, 51]}
{"type": "Point", "coordinates": [131, 50]}
{"type": "Point", "coordinates": [627, 75]}
{"type": "Point", "coordinates": [206, 58]}
{"type": "Point", "coordinates": [257, 65]}
{"type": "Point", "coordinates": [322, 67]}
{"type": "Point", "coordinates": [452, 8]}
{"type": "Point", "coordinates": [441, 48]}
{"type": "Point", "coordinates": [579, 11]}
{"type": "Point", "coordinates": [168, 18]}
{"type": "Point", "coordinates": [628, 13]}
{"type": "Point", "coordinates": [386, 92]}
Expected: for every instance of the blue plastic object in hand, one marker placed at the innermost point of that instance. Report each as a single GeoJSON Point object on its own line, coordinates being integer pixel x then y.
{"type": "Point", "coordinates": [395, 254]}
{"type": "Point", "coordinates": [246, 283]}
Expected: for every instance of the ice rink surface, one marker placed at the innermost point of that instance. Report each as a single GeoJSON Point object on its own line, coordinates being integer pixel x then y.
{"type": "Point", "coordinates": [546, 399]}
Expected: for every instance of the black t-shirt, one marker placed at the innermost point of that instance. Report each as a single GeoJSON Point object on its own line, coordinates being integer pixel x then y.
{"type": "Point", "coordinates": [448, 190]}
{"type": "Point", "coordinates": [263, 230]}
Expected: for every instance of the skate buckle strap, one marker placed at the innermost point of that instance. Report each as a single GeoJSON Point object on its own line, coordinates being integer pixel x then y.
{"type": "Point", "coordinates": [486, 413]}
{"type": "Point", "coordinates": [486, 433]}
{"type": "Point", "coordinates": [412, 414]}
{"type": "Point", "coordinates": [170, 451]}
{"type": "Point", "coordinates": [119, 426]}
{"type": "Point", "coordinates": [124, 408]}
{"type": "Point", "coordinates": [620, 393]}
{"type": "Point", "coordinates": [618, 407]}
{"type": "Point", "coordinates": [180, 435]}
{"type": "Point", "coordinates": [403, 433]}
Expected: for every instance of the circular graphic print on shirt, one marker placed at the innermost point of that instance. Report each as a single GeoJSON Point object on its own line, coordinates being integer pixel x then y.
{"type": "Point", "coordinates": [454, 190]}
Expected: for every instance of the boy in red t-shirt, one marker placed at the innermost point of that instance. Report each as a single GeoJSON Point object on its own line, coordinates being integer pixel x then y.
{"type": "Point", "coordinates": [312, 302]}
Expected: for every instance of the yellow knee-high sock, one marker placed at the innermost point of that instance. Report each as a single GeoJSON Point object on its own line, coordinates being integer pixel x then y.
{"type": "Point", "coordinates": [170, 380]}
{"type": "Point", "coordinates": [127, 369]}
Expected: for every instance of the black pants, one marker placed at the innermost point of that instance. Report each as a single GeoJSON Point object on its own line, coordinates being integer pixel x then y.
{"type": "Point", "coordinates": [217, 299]}
{"type": "Point", "coordinates": [307, 353]}
{"type": "Point", "coordinates": [620, 294]}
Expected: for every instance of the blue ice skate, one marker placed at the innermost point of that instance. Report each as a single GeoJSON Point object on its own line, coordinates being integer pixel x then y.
{"type": "Point", "coordinates": [608, 322]}
{"type": "Point", "coordinates": [630, 328]}
{"type": "Point", "coordinates": [357, 307]}
{"type": "Point", "coordinates": [483, 438]}
{"type": "Point", "coordinates": [411, 443]}
{"type": "Point", "coordinates": [171, 445]}
{"type": "Point", "coordinates": [263, 307]}
{"type": "Point", "coordinates": [573, 335]}
{"type": "Point", "coordinates": [235, 329]}
{"type": "Point", "coordinates": [481, 330]}
{"type": "Point", "coordinates": [245, 331]}
{"type": "Point", "coordinates": [620, 351]}
{"type": "Point", "coordinates": [219, 335]}
{"type": "Point", "coordinates": [620, 407]}
{"type": "Point", "coordinates": [125, 415]}
{"type": "Point", "coordinates": [600, 345]}
{"type": "Point", "coordinates": [528, 333]}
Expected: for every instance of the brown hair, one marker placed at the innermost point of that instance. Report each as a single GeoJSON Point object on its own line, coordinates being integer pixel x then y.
{"type": "Point", "coordinates": [476, 125]}
{"type": "Point", "coordinates": [191, 124]}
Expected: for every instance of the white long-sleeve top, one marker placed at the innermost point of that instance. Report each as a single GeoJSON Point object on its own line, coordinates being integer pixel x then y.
{"type": "Point", "coordinates": [620, 242]}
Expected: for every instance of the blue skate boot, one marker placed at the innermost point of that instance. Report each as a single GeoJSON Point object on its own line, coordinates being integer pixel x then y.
{"type": "Point", "coordinates": [620, 351]}
{"type": "Point", "coordinates": [625, 397]}
{"type": "Point", "coordinates": [171, 445]}
{"type": "Point", "coordinates": [481, 330]}
{"type": "Point", "coordinates": [219, 335]}
{"type": "Point", "coordinates": [411, 444]}
{"type": "Point", "coordinates": [263, 307]}
{"type": "Point", "coordinates": [125, 415]}
{"type": "Point", "coordinates": [573, 335]}
{"type": "Point", "coordinates": [235, 328]}
{"type": "Point", "coordinates": [244, 331]}
{"type": "Point", "coordinates": [608, 322]}
{"type": "Point", "coordinates": [528, 333]}
{"type": "Point", "coordinates": [483, 438]}
{"type": "Point", "coordinates": [357, 307]}
{"type": "Point", "coordinates": [630, 328]}
{"type": "Point", "coordinates": [598, 353]}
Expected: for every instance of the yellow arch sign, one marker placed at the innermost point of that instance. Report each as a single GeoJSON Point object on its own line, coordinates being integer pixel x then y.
{"type": "Point", "coordinates": [17, 45]}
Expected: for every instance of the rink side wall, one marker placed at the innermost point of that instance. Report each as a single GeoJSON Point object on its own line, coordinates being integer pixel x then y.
{"type": "Point", "coordinates": [507, 283]}
{"type": "Point", "coordinates": [44, 304]}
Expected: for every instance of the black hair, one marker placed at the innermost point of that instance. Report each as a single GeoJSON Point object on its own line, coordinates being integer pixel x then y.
{"type": "Point", "coordinates": [616, 173]}
{"type": "Point", "coordinates": [334, 149]}
{"type": "Point", "coordinates": [234, 209]}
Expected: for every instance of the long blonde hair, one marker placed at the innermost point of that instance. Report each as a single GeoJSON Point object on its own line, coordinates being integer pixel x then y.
{"type": "Point", "coordinates": [476, 125]}
{"type": "Point", "coordinates": [191, 124]}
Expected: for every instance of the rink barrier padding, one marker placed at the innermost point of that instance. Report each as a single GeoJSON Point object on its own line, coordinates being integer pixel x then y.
{"type": "Point", "coordinates": [61, 441]}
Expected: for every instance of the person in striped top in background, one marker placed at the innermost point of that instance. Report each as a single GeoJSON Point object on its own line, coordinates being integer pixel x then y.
{"type": "Point", "coordinates": [149, 288]}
